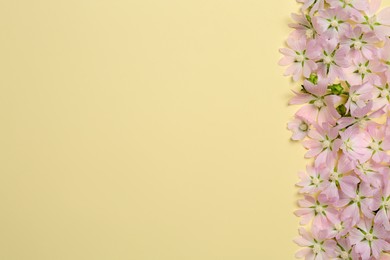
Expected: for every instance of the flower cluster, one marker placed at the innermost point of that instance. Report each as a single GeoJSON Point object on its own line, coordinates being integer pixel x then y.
{"type": "Point", "coordinates": [339, 52]}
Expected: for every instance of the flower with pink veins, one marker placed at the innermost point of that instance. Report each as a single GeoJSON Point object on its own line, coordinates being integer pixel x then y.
{"type": "Point", "coordinates": [332, 61]}
{"type": "Point", "coordinates": [312, 5]}
{"type": "Point", "coordinates": [359, 95]}
{"type": "Point", "coordinates": [303, 26]}
{"type": "Point", "coordinates": [332, 23]}
{"type": "Point", "coordinates": [374, 21]}
{"type": "Point", "coordinates": [322, 144]}
{"type": "Point", "coordinates": [311, 181]}
{"type": "Point", "coordinates": [369, 239]}
{"type": "Point", "coordinates": [378, 142]}
{"type": "Point", "coordinates": [339, 179]}
{"type": "Point", "coordinates": [350, 6]}
{"type": "Point", "coordinates": [363, 70]}
{"type": "Point", "coordinates": [382, 96]}
{"type": "Point", "coordinates": [361, 117]}
{"type": "Point", "coordinates": [344, 250]}
{"type": "Point", "coordinates": [339, 228]}
{"type": "Point", "coordinates": [319, 210]}
{"type": "Point", "coordinates": [362, 199]}
{"type": "Point", "coordinates": [383, 215]}
{"type": "Point", "coordinates": [360, 44]}
{"type": "Point", "coordinates": [354, 144]}
{"type": "Point", "coordinates": [319, 106]}
{"type": "Point", "coordinates": [384, 54]}
{"type": "Point", "coordinates": [299, 57]}
{"type": "Point", "coordinates": [317, 246]}
{"type": "Point", "coordinates": [369, 172]}
{"type": "Point", "coordinates": [299, 127]}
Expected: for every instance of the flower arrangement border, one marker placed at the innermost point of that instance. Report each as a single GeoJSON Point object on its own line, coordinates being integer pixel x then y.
{"type": "Point", "coordinates": [339, 55]}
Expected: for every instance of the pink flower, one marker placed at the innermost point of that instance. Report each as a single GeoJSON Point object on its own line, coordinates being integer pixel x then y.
{"type": "Point", "coordinates": [332, 23]}
{"type": "Point", "coordinates": [382, 217]}
{"type": "Point", "coordinates": [303, 26]}
{"type": "Point", "coordinates": [375, 22]}
{"type": "Point", "coordinates": [320, 107]}
{"type": "Point", "coordinates": [339, 228]}
{"type": "Point", "coordinates": [363, 70]}
{"type": "Point", "coordinates": [369, 239]}
{"type": "Point", "coordinates": [332, 61]}
{"type": "Point", "coordinates": [350, 6]}
{"type": "Point", "coordinates": [312, 5]}
{"type": "Point", "coordinates": [363, 200]}
{"type": "Point", "coordinates": [299, 57]}
{"type": "Point", "coordinates": [378, 143]}
{"type": "Point", "coordinates": [359, 96]}
{"type": "Point", "coordinates": [319, 210]}
{"type": "Point", "coordinates": [316, 245]}
{"type": "Point", "coordinates": [369, 172]}
{"type": "Point", "coordinates": [382, 96]}
{"type": "Point", "coordinates": [354, 144]}
{"type": "Point", "coordinates": [300, 127]}
{"type": "Point", "coordinates": [311, 180]}
{"type": "Point", "coordinates": [323, 144]}
{"type": "Point", "coordinates": [344, 250]}
{"type": "Point", "coordinates": [339, 180]}
{"type": "Point", "coordinates": [362, 45]}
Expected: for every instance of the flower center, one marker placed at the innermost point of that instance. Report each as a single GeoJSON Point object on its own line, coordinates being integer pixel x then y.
{"type": "Point", "coordinates": [319, 209]}
{"type": "Point", "coordinates": [334, 23]}
{"type": "Point", "coordinates": [369, 237]}
{"type": "Point", "coordinates": [328, 60]}
{"type": "Point", "coordinates": [362, 69]}
{"type": "Point", "coordinates": [319, 103]}
{"type": "Point", "coordinates": [334, 176]}
{"type": "Point", "coordinates": [315, 181]}
{"type": "Point", "coordinates": [300, 58]}
{"type": "Point", "coordinates": [357, 199]}
{"type": "Point", "coordinates": [309, 33]}
{"type": "Point", "coordinates": [344, 255]}
{"type": "Point", "coordinates": [317, 249]}
{"type": "Point", "coordinates": [338, 227]}
{"type": "Point", "coordinates": [303, 127]}
{"type": "Point", "coordinates": [357, 45]}
{"type": "Point", "coordinates": [355, 98]}
{"type": "Point", "coordinates": [386, 204]}
{"type": "Point", "coordinates": [385, 92]}
{"type": "Point", "coordinates": [326, 144]}
{"type": "Point", "coordinates": [375, 146]}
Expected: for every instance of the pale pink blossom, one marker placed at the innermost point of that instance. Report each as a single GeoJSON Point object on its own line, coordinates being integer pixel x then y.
{"type": "Point", "coordinates": [312, 180]}
{"type": "Point", "coordinates": [361, 202]}
{"type": "Point", "coordinates": [299, 57]}
{"type": "Point", "coordinates": [322, 144]}
{"type": "Point", "coordinates": [363, 70]}
{"type": "Point", "coordinates": [339, 180]}
{"type": "Point", "coordinates": [374, 21]}
{"type": "Point", "coordinates": [320, 211]}
{"type": "Point", "coordinates": [299, 127]}
{"type": "Point", "coordinates": [317, 246]}
{"type": "Point", "coordinates": [359, 95]}
{"type": "Point", "coordinates": [369, 239]}
{"type": "Point", "coordinates": [303, 26]}
{"type": "Point", "coordinates": [382, 217]}
{"type": "Point", "coordinates": [319, 106]}
{"type": "Point", "coordinates": [332, 23]}
{"type": "Point", "coordinates": [332, 61]}
{"type": "Point", "coordinates": [361, 45]}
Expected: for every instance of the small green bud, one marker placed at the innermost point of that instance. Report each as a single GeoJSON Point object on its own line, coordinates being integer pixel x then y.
{"type": "Point", "coordinates": [336, 89]}
{"type": "Point", "coordinates": [313, 78]}
{"type": "Point", "coordinates": [342, 110]}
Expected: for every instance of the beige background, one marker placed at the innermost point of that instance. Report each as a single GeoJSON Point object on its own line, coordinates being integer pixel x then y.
{"type": "Point", "coordinates": [145, 130]}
